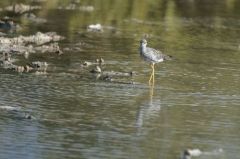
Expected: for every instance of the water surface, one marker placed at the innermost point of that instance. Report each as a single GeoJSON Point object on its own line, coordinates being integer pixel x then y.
{"type": "Point", "coordinates": [193, 104]}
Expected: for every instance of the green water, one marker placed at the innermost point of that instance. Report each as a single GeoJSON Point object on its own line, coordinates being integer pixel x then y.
{"type": "Point", "coordinates": [193, 104]}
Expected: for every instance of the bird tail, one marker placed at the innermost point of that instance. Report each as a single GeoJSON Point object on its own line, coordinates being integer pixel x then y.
{"type": "Point", "coordinates": [168, 57]}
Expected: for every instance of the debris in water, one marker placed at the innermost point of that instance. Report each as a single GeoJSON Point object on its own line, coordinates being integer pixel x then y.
{"type": "Point", "coordinates": [7, 24]}
{"type": "Point", "coordinates": [75, 6]}
{"type": "Point", "coordinates": [26, 55]}
{"type": "Point", "coordinates": [97, 69]}
{"type": "Point", "coordinates": [38, 39]}
{"type": "Point", "coordinates": [22, 44]}
{"type": "Point", "coordinates": [97, 62]}
{"type": "Point", "coordinates": [188, 153]}
{"type": "Point", "coordinates": [27, 68]}
{"type": "Point", "coordinates": [28, 116]}
{"type": "Point", "coordinates": [86, 8]}
{"type": "Point", "coordinates": [100, 61]}
{"type": "Point", "coordinates": [21, 8]}
{"type": "Point", "coordinates": [38, 64]}
{"type": "Point", "coordinates": [33, 18]}
{"type": "Point", "coordinates": [10, 108]}
{"type": "Point", "coordinates": [95, 28]}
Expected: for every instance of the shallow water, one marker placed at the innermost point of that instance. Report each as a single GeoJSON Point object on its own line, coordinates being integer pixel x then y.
{"type": "Point", "coordinates": [193, 104]}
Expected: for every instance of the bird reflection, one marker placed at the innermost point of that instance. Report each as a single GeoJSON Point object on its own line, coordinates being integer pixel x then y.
{"type": "Point", "coordinates": [151, 90]}
{"type": "Point", "coordinates": [148, 110]}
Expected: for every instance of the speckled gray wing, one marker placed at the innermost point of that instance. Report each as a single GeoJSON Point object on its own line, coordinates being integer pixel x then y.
{"type": "Point", "coordinates": [153, 55]}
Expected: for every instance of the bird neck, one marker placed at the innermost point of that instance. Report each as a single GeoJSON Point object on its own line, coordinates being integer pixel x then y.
{"type": "Point", "coordinates": [143, 48]}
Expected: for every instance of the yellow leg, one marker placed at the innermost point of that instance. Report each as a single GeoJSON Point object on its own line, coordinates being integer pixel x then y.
{"type": "Point", "coordinates": [150, 79]}
{"type": "Point", "coordinates": [152, 75]}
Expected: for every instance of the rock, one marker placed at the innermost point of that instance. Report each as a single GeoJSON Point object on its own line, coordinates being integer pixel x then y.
{"type": "Point", "coordinates": [54, 48]}
{"type": "Point", "coordinates": [27, 68]}
{"type": "Point", "coordinates": [108, 75]}
{"type": "Point", "coordinates": [38, 39]}
{"type": "Point", "coordinates": [42, 38]}
{"type": "Point", "coordinates": [21, 8]}
{"type": "Point", "coordinates": [38, 64]}
{"type": "Point", "coordinates": [19, 69]}
{"type": "Point", "coordinates": [22, 44]}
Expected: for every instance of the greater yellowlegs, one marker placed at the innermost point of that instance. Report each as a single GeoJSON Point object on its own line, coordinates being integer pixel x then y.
{"type": "Point", "coordinates": [152, 56]}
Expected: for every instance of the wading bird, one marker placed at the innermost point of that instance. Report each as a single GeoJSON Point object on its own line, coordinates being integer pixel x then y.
{"type": "Point", "coordinates": [152, 56]}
